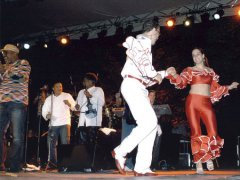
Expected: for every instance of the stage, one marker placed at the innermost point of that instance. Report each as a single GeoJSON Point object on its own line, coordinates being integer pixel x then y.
{"type": "Point", "coordinates": [112, 174]}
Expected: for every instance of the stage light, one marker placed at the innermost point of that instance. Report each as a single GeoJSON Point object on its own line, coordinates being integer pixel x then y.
{"type": "Point", "coordinates": [45, 45]}
{"type": "Point", "coordinates": [170, 22]}
{"type": "Point", "coordinates": [217, 15]}
{"type": "Point", "coordinates": [238, 12]}
{"type": "Point", "coordinates": [188, 21]}
{"type": "Point", "coordinates": [26, 46]}
{"type": "Point", "coordinates": [64, 40]}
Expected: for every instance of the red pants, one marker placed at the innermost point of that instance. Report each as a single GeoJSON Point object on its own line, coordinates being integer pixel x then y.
{"type": "Point", "coordinates": [204, 147]}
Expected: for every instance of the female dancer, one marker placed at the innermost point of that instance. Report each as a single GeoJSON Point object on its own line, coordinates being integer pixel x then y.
{"type": "Point", "coordinates": [204, 91]}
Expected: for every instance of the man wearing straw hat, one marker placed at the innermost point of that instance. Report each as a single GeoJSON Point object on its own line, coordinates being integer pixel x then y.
{"type": "Point", "coordinates": [13, 102]}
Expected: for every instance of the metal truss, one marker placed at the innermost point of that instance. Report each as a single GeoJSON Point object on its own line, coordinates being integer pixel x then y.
{"type": "Point", "coordinates": [91, 30]}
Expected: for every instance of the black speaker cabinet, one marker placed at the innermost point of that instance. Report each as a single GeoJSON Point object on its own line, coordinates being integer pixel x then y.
{"type": "Point", "coordinates": [184, 160]}
{"type": "Point", "coordinates": [73, 158]}
{"type": "Point", "coordinates": [238, 151]}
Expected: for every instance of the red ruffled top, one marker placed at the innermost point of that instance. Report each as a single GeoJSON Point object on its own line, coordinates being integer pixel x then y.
{"type": "Point", "coordinates": [192, 76]}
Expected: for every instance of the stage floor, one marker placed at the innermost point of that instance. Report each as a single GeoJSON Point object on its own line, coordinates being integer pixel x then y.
{"type": "Point", "coordinates": [112, 174]}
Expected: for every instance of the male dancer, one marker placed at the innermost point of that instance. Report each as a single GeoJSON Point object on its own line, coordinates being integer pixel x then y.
{"type": "Point", "coordinates": [138, 73]}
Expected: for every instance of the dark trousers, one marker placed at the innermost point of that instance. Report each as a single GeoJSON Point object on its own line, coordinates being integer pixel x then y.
{"type": "Point", "coordinates": [156, 151]}
{"type": "Point", "coordinates": [87, 135]}
{"type": "Point", "coordinates": [14, 113]}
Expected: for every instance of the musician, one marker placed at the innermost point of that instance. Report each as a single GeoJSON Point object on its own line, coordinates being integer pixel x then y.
{"type": "Point", "coordinates": [118, 101]}
{"type": "Point", "coordinates": [38, 104]}
{"type": "Point", "coordinates": [56, 109]}
{"type": "Point", "coordinates": [90, 102]}
{"type": "Point", "coordinates": [117, 111]}
{"type": "Point", "coordinates": [13, 104]}
{"type": "Point", "coordinates": [40, 99]}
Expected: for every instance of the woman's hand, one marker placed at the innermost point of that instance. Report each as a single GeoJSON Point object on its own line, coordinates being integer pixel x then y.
{"type": "Point", "coordinates": [234, 85]}
{"type": "Point", "coordinates": [172, 71]}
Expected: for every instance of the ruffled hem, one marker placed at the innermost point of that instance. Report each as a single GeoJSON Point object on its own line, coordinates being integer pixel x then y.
{"type": "Point", "coordinates": [205, 148]}
{"type": "Point", "coordinates": [176, 81]}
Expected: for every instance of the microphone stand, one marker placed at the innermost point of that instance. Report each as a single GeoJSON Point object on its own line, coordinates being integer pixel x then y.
{"type": "Point", "coordinates": [26, 134]}
{"type": "Point", "coordinates": [39, 115]}
{"type": "Point", "coordinates": [74, 132]}
{"type": "Point", "coordinates": [26, 139]}
{"type": "Point", "coordinates": [39, 133]}
{"type": "Point", "coordinates": [73, 85]}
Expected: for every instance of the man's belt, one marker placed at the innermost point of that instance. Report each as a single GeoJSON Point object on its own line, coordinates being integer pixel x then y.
{"type": "Point", "coordinates": [140, 80]}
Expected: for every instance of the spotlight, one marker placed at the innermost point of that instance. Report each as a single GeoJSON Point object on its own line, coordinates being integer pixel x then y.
{"type": "Point", "coordinates": [238, 12]}
{"type": "Point", "coordinates": [170, 22]}
{"type": "Point", "coordinates": [64, 40]}
{"type": "Point", "coordinates": [205, 17]}
{"type": "Point", "coordinates": [217, 15]}
{"type": "Point", "coordinates": [45, 45]}
{"type": "Point", "coordinates": [26, 46]}
{"type": "Point", "coordinates": [188, 21]}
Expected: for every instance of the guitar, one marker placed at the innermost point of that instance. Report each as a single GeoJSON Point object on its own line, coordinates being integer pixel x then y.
{"type": "Point", "coordinates": [90, 113]}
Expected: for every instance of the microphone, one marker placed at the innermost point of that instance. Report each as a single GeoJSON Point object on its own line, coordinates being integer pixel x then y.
{"type": "Point", "coordinates": [45, 87]}
{"type": "Point", "coordinates": [71, 82]}
{"type": "Point", "coordinates": [2, 60]}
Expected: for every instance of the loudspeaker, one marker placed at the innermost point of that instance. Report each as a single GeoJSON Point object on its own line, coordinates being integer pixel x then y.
{"type": "Point", "coordinates": [184, 160]}
{"type": "Point", "coordinates": [238, 151]}
{"type": "Point", "coordinates": [73, 157]}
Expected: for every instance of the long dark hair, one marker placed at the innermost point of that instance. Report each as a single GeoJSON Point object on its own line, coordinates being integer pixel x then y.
{"type": "Point", "coordinates": [205, 57]}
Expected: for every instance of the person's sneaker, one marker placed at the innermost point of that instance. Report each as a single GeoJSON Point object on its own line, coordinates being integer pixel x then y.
{"type": "Point", "coordinates": [199, 168]}
{"type": "Point", "coordinates": [127, 169]}
{"type": "Point", "coordinates": [210, 165]}
{"type": "Point", "coordinates": [50, 166]}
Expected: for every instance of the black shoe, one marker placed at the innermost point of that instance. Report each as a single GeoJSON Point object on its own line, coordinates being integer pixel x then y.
{"type": "Point", "coordinates": [51, 166]}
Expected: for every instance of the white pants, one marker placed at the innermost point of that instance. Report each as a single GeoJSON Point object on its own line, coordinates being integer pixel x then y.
{"type": "Point", "coordinates": [143, 135]}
